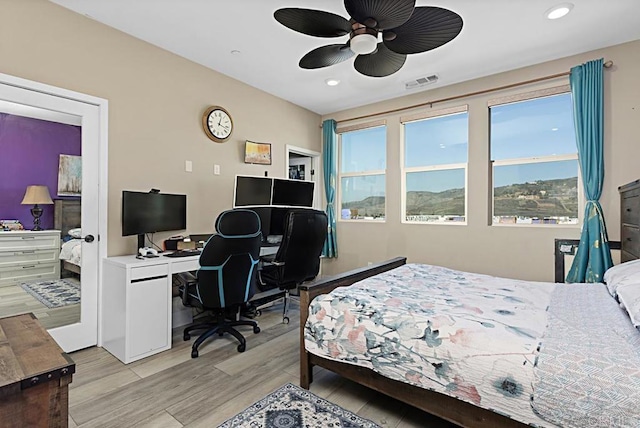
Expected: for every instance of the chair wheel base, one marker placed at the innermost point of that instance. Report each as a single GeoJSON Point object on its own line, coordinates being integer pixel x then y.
{"type": "Point", "coordinates": [285, 320]}
{"type": "Point", "coordinates": [194, 354]}
{"type": "Point", "coordinates": [186, 337]}
{"type": "Point", "coordinates": [256, 330]}
{"type": "Point", "coordinates": [241, 348]}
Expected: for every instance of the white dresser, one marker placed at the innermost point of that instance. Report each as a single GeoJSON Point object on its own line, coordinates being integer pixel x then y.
{"type": "Point", "coordinates": [27, 255]}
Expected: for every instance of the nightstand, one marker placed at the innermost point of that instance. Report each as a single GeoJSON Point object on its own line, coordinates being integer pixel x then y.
{"type": "Point", "coordinates": [27, 255]}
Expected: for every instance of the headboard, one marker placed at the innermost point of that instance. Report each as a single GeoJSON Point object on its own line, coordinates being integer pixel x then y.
{"type": "Point", "coordinates": [66, 215]}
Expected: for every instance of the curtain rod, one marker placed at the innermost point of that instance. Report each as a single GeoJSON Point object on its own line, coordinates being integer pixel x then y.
{"type": "Point", "coordinates": [607, 64]}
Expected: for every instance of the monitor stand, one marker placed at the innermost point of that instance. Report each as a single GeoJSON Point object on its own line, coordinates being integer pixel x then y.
{"type": "Point", "coordinates": [141, 239]}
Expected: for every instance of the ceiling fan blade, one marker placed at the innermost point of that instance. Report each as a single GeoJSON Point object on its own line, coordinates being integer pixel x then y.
{"type": "Point", "coordinates": [387, 13]}
{"type": "Point", "coordinates": [380, 63]}
{"type": "Point", "coordinates": [428, 28]}
{"type": "Point", "coordinates": [313, 22]}
{"type": "Point", "coordinates": [325, 56]}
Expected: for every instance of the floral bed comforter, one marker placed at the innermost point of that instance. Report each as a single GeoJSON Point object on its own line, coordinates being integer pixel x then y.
{"type": "Point", "coordinates": [474, 337]}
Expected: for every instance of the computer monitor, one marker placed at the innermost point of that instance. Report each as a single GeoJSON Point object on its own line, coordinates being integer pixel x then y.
{"type": "Point", "coordinates": [265, 220]}
{"type": "Point", "coordinates": [144, 213]}
{"type": "Point", "coordinates": [276, 226]}
{"type": "Point", "coordinates": [296, 193]}
{"type": "Point", "coordinates": [252, 191]}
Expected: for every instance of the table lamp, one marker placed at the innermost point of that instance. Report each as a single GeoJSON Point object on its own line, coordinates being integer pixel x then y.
{"type": "Point", "coordinates": [35, 195]}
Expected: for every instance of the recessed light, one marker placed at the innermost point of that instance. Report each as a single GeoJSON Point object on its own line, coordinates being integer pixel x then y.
{"type": "Point", "coordinates": [332, 82]}
{"type": "Point", "coordinates": [559, 11]}
{"type": "Point", "coordinates": [554, 129]}
{"type": "Point", "coordinates": [235, 52]}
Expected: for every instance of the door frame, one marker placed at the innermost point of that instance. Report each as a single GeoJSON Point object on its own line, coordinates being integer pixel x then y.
{"type": "Point", "coordinates": [315, 166]}
{"type": "Point", "coordinates": [103, 120]}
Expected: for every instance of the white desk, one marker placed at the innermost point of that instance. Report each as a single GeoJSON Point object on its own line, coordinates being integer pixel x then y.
{"type": "Point", "coordinates": [137, 304]}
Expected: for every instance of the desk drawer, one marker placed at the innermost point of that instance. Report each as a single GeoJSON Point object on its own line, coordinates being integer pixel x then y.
{"type": "Point", "coordinates": [14, 258]}
{"type": "Point", "coordinates": [143, 272]}
{"type": "Point", "coordinates": [630, 240]}
{"type": "Point", "coordinates": [185, 265]}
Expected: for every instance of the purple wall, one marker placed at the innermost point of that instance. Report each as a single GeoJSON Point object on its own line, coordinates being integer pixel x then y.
{"type": "Point", "coordinates": [29, 154]}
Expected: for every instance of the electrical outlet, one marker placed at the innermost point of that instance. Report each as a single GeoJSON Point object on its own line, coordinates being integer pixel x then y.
{"type": "Point", "coordinates": [188, 166]}
{"type": "Point", "coordinates": [216, 169]}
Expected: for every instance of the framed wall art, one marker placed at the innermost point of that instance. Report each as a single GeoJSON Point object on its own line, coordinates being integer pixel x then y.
{"type": "Point", "coordinates": [259, 153]}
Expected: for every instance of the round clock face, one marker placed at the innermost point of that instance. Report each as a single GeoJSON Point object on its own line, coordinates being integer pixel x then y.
{"type": "Point", "coordinates": [217, 124]}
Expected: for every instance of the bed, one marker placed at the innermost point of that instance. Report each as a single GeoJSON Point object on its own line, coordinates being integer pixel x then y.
{"type": "Point", "coordinates": [550, 363]}
{"type": "Point", "coordinates": [66, 219]}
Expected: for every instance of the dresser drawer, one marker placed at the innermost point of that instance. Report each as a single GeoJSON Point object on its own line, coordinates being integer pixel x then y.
{"type": "Point", "coordinates": [29, 241]}
{"type": "Point", "coordinates": [631, 209]}
{"type": "Point", "coordinates": [14, 258]}
{"type": "Point", "coordinates": [29, 272]}
{"type": "Point", "coordinates": [630, 240]}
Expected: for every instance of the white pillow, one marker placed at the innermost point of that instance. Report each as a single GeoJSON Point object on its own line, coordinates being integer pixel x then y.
{"type": "Point", "coordinates": [75, 233]}
{"type": "Point", "coordinates": [629, 296]}
{"type": "Point", "coordinates": [624, 273]}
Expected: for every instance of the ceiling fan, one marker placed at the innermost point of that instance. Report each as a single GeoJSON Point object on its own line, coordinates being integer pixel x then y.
{"type": "Point", "coordinates": [404, 28]}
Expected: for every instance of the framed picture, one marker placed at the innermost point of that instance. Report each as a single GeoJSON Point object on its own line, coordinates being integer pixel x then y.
{"type": "Point", "coordinates": [259, 153]}
{"type": "Point", "coordinates": [70, 175]}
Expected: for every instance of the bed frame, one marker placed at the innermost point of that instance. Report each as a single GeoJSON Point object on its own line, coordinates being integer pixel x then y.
{"type": "Point", "coordinates": [443, 406]}
{"type": "Point", "coordinates": [67, 216]}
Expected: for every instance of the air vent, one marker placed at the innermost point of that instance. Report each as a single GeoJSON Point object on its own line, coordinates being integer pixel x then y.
{"type": "Point", "coordinates": [421, 81]}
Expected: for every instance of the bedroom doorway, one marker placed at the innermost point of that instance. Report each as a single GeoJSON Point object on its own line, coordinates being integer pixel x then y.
{"type": "Point", "coordinates": [67, 304]}
{"type": "Point", "coordinates": [304, 164]}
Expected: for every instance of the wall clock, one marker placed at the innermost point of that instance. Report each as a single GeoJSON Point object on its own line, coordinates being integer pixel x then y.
{"type": "Point", "coordinates": [217, 124]}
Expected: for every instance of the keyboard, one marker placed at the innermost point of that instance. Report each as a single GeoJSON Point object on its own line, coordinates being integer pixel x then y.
{"type": "Point", "coordinates": [183, 253]}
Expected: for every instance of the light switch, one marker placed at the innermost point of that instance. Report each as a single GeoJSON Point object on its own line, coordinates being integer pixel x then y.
{"type": "Point", "coordinates": [216, 170]}
{"type": "Point", "coordinates": [188, 166]}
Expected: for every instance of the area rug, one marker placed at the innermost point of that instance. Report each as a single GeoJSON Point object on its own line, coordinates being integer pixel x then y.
{"type": "Point", "coordinates": [55, 293]}
{"type": "Point", "coordinates": [294, 407]}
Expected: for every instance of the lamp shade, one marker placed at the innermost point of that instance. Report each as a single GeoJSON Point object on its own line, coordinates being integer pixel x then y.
{"type": "Point", "coordinates": [37, 195]}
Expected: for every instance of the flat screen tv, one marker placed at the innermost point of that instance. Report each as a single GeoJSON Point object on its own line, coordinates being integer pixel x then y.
{"type": "Point", "coordinates": [252, 191]}
{"type": "Point", "coordinates": [152, 212]}
{"type": "Point", "coordinates": [295, 193]}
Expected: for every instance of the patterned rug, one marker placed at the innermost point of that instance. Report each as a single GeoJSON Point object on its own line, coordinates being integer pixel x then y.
{"type": "Point", "coordinates": [294, 407]}
{"type": "Point", "coordinates": [53, 294]}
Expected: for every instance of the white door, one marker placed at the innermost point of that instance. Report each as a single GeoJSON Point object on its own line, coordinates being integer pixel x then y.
{"type": "Point", "coordinates": [35, 100]}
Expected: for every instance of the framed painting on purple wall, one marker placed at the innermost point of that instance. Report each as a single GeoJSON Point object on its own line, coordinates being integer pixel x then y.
{"type": "Point", "coordinates": [70, 175]}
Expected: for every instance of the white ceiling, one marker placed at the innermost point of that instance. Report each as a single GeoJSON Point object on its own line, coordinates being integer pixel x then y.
{"type": "Point", "coordinates": [497, 35]}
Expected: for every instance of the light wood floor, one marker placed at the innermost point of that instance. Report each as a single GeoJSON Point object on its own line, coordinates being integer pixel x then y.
{"type": "Point", "coordinates": [15, 301]}
{"type": "Point", "coordinates": [171, 389]}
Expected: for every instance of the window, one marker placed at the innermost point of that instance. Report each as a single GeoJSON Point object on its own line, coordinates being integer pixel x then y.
{"type": "Point", "coordinates": [535, 161]}
{"type": "Point", "coordinates": [435, 168]}
{"type": "Point", "coordinates": [363, 163]}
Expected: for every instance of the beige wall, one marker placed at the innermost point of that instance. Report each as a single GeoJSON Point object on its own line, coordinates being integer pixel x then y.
{"type": "Point", "coordinates": [518, 252]}
{"type": "Point", "coordinates": [156, 100]}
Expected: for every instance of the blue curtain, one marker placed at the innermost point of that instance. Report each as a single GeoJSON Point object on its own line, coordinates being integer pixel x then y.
{"type": "Point", "coordinates": [593, 257]}
{"type": "Point", "coordinates": [329, 152]}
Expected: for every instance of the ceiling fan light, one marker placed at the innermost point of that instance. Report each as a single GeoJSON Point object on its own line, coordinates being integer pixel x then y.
{"type": "Point", "coordinates": [363, 44]}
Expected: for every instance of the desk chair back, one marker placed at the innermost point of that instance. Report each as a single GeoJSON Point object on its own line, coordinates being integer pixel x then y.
{"type": "Point", "coordinates": [305, 231]}
{"type": "Point", "coordinates": [228, 263]}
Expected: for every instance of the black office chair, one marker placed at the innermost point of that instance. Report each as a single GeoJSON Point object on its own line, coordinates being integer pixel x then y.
{"type": "Point", "coordinates": [298, 257]}
{"type": "Point", "coordinates": [226, 279]}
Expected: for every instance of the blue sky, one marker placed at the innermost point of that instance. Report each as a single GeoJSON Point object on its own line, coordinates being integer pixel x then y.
{"type": "Point", "coordinates": [539, 127]}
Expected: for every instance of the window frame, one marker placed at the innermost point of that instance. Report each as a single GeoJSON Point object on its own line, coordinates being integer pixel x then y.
{"type": "Point", "coordinates": [368, 173]}
{"type": "Point", "coordinates": [404, 170]}
{"type": "Point", "coordinates": [527, 96]}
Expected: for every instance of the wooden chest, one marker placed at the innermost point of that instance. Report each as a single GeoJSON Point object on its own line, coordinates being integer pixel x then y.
{"type": "Point", "coordinates": [34, 375]}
